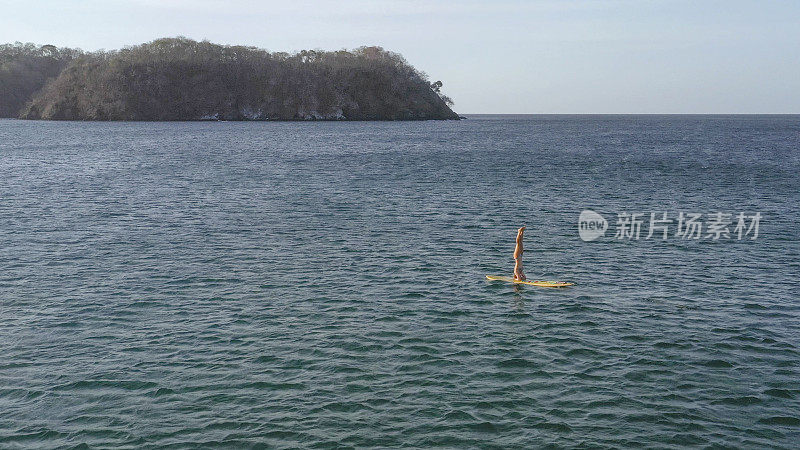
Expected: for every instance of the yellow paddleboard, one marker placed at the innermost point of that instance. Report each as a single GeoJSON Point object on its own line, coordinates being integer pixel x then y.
{"type": "Point", "coordinates": [553, 284]}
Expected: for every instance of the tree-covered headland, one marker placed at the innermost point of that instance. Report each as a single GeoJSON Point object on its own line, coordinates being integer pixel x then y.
{"type": "Point", "coordinates": [183, 79]}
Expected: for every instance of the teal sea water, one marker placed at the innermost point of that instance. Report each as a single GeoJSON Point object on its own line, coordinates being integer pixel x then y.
{"type": "Point", "coordinates": [321, 285]}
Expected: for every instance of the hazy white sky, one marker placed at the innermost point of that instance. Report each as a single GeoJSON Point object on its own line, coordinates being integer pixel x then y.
{"type": "Point", "coordinates": [504, 56]}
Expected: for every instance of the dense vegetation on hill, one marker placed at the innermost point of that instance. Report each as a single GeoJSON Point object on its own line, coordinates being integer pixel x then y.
{"type": "Point", "coordinates": [24, 69]}
{"type": "Point", "coordinates": [182, 79]}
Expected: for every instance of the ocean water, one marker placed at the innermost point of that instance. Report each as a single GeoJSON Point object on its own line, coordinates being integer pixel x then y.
{"type": "Point", "coordinates": [322, 285]}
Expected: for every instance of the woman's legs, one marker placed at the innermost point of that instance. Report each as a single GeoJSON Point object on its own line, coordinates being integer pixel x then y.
{"type": "Point", "coordinates": [518, 274]}
{"type": "Point", "coordinates": [518, 249]}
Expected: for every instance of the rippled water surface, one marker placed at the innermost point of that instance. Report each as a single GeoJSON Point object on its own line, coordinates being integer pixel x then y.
{"type": "Point", "coordinates": [322, 284]}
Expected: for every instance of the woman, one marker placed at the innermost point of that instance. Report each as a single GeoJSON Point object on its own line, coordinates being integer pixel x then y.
{"type": "Point", "coordinates": [518, 274]}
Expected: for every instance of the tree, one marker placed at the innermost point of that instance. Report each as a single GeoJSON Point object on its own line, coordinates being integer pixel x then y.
{"type": "Point", "coordinates": [437, 88]}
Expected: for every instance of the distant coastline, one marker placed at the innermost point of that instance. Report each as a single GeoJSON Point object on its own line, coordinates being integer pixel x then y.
{"type": "Point", "coordinates": [179, 79]}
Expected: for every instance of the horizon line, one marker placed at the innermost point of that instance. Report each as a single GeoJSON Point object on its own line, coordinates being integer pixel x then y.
{"type": "Point", "coordinates": [638, 114]}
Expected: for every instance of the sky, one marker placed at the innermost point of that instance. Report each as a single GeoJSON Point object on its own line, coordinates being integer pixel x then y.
{"type": "Point", "coordinates": [501, 56]}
